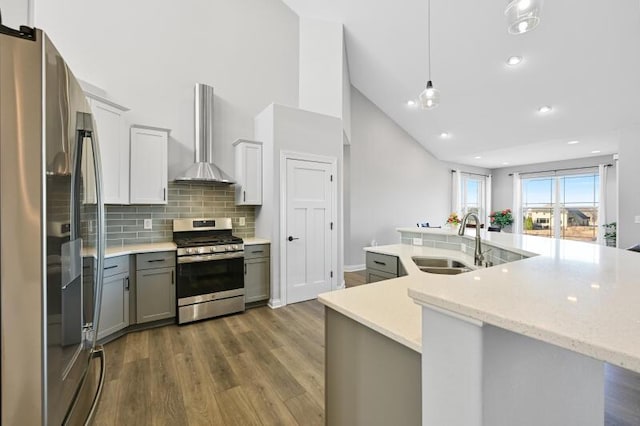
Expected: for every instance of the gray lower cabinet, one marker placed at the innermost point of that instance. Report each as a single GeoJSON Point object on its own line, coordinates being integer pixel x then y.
{"type": "Point", "coordinates": [114, 307]}
{"type": "Point", "coordinates": [155, 286]}
{"type": "Point", "coordinates": [257, 273]}
{"type": "Point", "coordinates": [383, 267]}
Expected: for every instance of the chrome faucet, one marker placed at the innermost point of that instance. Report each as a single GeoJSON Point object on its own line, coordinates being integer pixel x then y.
{"type": "Point", "coordinates": [478, 257]}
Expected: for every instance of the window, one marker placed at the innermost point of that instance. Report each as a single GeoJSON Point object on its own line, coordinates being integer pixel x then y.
{"type": "Point", "coordinates": [473, 196]}
{"type": "Point", "coordinates": [561, 206]}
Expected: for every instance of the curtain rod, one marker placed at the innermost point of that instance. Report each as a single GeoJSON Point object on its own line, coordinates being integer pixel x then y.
{"type": "Point", "coordinates": [469, 173]}
{"type": "Point", "coordinates": [561, 170]}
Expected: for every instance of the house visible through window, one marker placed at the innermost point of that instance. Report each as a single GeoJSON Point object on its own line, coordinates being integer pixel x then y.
{"type": "Point", "coordinates": [561, 206]}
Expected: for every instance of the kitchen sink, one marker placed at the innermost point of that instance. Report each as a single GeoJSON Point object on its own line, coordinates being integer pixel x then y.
{"type": "Point", "coordinates": [445, 271]}
{"type": "Point", "coordinates": [440, 265]}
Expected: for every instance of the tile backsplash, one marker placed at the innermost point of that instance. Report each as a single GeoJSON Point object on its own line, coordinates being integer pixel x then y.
{"type": "Point", "coordinates": [125, 224]}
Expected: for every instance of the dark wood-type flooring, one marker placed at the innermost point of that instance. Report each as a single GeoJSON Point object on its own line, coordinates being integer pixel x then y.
{"type": "Point", "coordinates": [262, 367]}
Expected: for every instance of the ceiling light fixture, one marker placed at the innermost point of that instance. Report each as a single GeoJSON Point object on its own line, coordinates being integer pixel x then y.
{"type": "Point", "coordinates": [430, 97]}
{"type": "Point", "coordinates": [544, 109]}
{"type": "Point", "coordinates": [514, 60]}
{"type": "Point", "coordinates": [573, 142]}
{"type": "Point", "coordinates": [444, 135]}
{"type": "Point", "coordinates": [411, 103]}
{"type": "Point", "coordinates": [523, 15]}
{"type": "Point", "coordinates": [595, 152]}
{"type": "Point", "coordinates": [477, 157]}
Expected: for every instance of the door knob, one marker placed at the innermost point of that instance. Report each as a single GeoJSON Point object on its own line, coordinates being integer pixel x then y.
{"type": "Point", "coordinates": [291, 238]}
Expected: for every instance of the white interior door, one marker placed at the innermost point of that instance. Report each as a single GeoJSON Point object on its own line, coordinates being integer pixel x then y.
{"type": "Point", "coordinates": [309, 192]}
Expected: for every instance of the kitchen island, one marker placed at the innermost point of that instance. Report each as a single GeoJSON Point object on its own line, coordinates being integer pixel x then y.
{"type": "Point", "coordinates": [522, 340]}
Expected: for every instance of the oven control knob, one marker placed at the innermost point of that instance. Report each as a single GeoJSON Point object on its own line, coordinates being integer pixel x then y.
{"type": "Point", "coordinates": [228, 248]}
{"type": "Point", "coordinates": [189, 251]}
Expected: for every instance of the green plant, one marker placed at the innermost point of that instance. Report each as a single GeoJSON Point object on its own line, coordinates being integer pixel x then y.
{"type": "Point", "coordinates": [611, 230]}
{"type": "Point", "coordinates": [501, 218]}
{"type": "Point", "coordinates": [528, 223]}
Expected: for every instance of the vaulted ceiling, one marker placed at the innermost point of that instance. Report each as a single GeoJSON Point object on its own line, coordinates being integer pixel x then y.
{"type": "Point", "coordinates": [583, 60]}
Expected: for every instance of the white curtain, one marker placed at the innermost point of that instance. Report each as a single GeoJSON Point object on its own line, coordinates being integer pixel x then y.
{"type": "Point", "coordinates": [517, 203]}
{"type": "Point", "coordinates": [602, 204]}
{"type": "Point", "coordinates": [487, 201]}
{"type": "Point", "coordinates": [456, 192]}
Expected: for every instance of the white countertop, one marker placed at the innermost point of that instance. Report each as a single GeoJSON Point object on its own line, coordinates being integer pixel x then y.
{"type": "Point", "coordinates": [255, 241]}
{"type": "Point", "coordinates": [579, 296]}
{"type": "Point", "coordinates": [139, 248]}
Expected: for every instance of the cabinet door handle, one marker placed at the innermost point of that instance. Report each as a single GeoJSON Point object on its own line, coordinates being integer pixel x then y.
{"type": "Point", "coordinates": [172, 279]}
{"type": "Point", "coordinates": [164, 194]}
{"type": "Point", "coordinates": [245, 269]}
{"type": "Point", "coordinates": [126, 284]}
{"type": "Point", "coordinates": [244, 195]}
{"type": "Point", "coordinates": [377, 262]}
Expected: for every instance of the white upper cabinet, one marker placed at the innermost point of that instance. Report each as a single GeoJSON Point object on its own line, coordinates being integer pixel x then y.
{"type": "Point", "coordinates": [248, 172]}
{"type": "Point", "coordinates": [148, 176]}
{"type": "Point", "coordinates": [114, 149]}
{"type": "Point", "coordinates": [113, 140]}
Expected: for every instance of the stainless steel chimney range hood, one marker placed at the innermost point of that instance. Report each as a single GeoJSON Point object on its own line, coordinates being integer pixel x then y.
{"type": "Point", "coordinates": [203, 170]}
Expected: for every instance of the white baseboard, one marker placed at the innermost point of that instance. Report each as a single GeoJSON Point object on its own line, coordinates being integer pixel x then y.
{"type": "Point", "coordinates": [275, 304]}
{"type": "Point", "coordinates": [354, 268]}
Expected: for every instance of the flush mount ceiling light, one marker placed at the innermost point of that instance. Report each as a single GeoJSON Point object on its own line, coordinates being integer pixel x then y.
{"type": "Point", "coordinates": [523, 15]}
{"type": "Point", "coordinates": [573, 142]}
{"type": "Point", "coordinates": [430, 97]}
{"type": "Point", "coordinates": [514, 60]}
{"type": "Point", "coordinates": [595, 152]}
{"type": "Point", "coordinates": [411, 103]}
{"type": "Point", "coordinates": [544, 109]}
{"type": "Point", "coordinates": [477, 157]}
{"type": "Point", "coordinates": [444, 135]}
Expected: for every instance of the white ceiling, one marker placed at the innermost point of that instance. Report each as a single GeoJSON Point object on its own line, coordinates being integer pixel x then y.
{"type": "Point", "coordinates": [583, 59]}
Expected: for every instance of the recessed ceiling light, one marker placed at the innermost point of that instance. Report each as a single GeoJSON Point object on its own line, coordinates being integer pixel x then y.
{"type": "Point", "coordinates": [444, 135]}
{"type": "Point", "coordinates": [544, 109]}
{"type": "Point", "coordinates": [505, 164]}
{"type": "Point", "coordinates": [595, 152]}
{"type": "Point", "coordinates": [514, 60]}
{"type": "Point", "coordinates": [477, 157]}
{"type": "Point", "coordinates": [411, 103]}
{"type": "Point", "coordinates": [573, 142]}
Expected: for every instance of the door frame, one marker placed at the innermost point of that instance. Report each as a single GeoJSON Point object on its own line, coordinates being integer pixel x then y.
{"type": "Point", "coordinates": [333, 161]}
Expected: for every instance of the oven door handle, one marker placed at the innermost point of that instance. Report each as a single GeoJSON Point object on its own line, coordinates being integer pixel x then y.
{"type": "Point", "coordinates": [210, 257]}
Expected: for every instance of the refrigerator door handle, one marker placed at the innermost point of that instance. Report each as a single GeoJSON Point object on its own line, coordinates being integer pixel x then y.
{"type": "Point", "coordinates": [97, 352]}
{"type": "Point", "coordinates": [100, 228]}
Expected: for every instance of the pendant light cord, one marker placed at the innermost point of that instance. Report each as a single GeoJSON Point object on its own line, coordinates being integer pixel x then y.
{"type": "Point", "coordinates": [429, 35]}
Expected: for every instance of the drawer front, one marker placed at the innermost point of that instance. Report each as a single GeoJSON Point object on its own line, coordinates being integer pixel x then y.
{"type": "Point", "coordinates": [257, 251]}
{"type": "Point", "coordinates": [163, 259]}
{"type": "Point", "coordinates": [382, 262]}
{"type": "Point", "coordinates": [374, 276]}
{"type": "Point", "coordinates": [116, 265]}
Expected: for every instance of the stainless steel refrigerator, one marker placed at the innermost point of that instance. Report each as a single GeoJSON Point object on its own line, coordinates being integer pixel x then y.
{"type": "Point", "coordinates": [51, 237]}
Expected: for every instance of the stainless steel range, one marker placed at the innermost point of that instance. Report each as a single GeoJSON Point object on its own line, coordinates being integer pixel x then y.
{"type": "Point", "coordinates": [210, 276]}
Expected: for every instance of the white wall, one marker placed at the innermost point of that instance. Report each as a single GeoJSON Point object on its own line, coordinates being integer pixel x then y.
{"type": "Point", "coordinates": [346, 95]}
{"type": "Point", "coordinates": [502, 183]}
{"type": "Point", "coordinates": [321, 58]}
{"type": "Point", "coordinates": [148, 54]}
{"type": "Point", "coordinates": [629, 190]}
{"type": "Point", "coordinates": [392, 181]}
{"type": "Point", "coordinates": [284, 128]}
{"type": "Point", "coordinates": [16, 13]}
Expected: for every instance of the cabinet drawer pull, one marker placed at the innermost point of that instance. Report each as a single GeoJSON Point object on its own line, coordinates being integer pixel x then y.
{"type": "Point", "coordinates": [377, 262]}
{"type": "Point", "coordinates": [110, 267]}
{"type": "Point", "coordinates": [150, 274]}
{"type": "Point", "coordinates": [257, 251]}
{"type": "Point", "coordinates": [156, 260]}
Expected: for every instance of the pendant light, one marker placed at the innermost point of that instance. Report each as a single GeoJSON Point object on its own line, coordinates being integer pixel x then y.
{"type": "Point", "coordinates": [430, 97]}
{"type": "Point", "coordinates": [523, 15]}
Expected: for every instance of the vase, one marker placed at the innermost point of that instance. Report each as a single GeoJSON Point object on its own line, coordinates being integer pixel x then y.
{"type": "Point", "coordinates": [507, 228]}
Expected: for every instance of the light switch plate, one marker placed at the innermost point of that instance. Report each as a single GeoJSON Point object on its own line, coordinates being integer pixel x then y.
{"type": "Point", "coordinates": [242, 221]}
{"type": "Point", "coordinates": [417, 241]}
{"type": "Point", "coordinates": [147, 224]}
{"type": "Point", "coordinates": [637, 219]}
